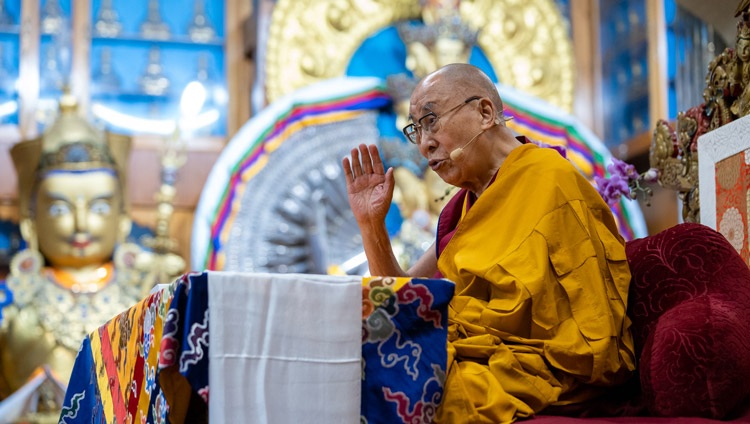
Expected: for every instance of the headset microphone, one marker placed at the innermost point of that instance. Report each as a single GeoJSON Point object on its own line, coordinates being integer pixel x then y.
{"type": "Point", "coordinates": [459, 152]}
{"type": "Point", "coordinates": [456, 154]}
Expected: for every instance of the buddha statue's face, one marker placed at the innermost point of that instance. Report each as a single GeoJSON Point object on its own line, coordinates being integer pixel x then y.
{"type": "Point", "coordinates": [78, 217]}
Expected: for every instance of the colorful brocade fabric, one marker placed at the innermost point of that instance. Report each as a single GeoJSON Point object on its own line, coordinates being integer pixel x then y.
{"type": "Point", "coordinates": [404, 331]}
{"type": "Point", "coordinates": [150, 363]}
{"type": "Point", "coordinates": [114, 379]}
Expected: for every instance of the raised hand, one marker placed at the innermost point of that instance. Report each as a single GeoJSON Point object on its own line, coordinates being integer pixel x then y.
{"type": "Point", "coordinates": [370, 188]}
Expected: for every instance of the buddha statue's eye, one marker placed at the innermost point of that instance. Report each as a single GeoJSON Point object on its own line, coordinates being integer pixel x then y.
{"type": "Point", "coordinates": [101, 207]}
{"type": "Point", "coordinates": [59, 208]}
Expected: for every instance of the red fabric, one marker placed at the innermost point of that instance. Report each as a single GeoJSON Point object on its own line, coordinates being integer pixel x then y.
{"type": "Point", "coordinates": [631, 420]}
{"type": "Point", "coordinates": [448, 221]}
{"type": "Point", "coordinates": [690, 307]}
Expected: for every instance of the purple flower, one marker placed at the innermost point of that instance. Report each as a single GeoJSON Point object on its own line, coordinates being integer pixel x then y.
{"type": "Point", "coordinates": [625, 180]}
{"type": "Point", "coordinates": [611, 189]}
{"type": "Point", "coordinates": [623, 170]}
{"type": "Point", "coordinates": [651, 176]}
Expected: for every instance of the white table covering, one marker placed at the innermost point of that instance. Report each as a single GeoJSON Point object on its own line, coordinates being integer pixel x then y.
{"type": "Point", "coordinates": [285, 347]}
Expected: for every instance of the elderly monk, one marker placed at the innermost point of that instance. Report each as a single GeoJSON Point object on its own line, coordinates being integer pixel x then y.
{"type": "Point", "coordinates": [538, 317]}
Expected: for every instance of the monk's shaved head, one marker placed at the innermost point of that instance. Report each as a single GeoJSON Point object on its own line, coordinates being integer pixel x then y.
{"type": "Point", "coordinates": [467, 79]}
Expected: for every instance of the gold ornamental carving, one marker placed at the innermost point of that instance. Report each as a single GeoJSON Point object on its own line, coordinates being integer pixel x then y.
{"type": "Point", "coordinates": [526, 41]}
{"type": "Point", "coordinates": [313, 40]}
{"type": "Point", "coordinates": [726, 97]}
{"type": "Point", "coordinates": [528, 45]}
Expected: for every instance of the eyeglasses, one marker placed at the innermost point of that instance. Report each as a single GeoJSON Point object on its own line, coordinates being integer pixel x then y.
{"type": "Point", "coordinates": [430, 123]}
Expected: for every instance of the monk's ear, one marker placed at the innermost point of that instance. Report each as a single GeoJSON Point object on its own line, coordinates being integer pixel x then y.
{"type": "Point", "coordinates": [489, 116]}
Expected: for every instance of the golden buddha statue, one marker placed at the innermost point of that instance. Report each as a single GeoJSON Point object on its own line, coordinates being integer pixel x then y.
{"type": "Point", "coordinates": [440, 39]}
{"type": "Point", "coordinates": [77, 272]}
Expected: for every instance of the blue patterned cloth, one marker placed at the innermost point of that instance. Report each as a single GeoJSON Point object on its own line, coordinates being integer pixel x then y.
{"type": "Point", "coordinates": [82, 399]}
{"type": "Point", "coordinates": [404, 354]}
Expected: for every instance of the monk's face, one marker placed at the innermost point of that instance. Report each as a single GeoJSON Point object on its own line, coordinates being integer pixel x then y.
{"type": "Point", "coordinates": [77, 217]}
{"type": "Point", "coordinates": [458, 120]}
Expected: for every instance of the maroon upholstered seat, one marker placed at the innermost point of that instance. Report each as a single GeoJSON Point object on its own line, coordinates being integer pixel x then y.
{"type": "Point", "coordinates": [690, 307]}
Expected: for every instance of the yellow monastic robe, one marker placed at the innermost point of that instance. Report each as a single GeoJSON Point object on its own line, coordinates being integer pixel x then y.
{"type": "Point", "coordinates": [541, 292]}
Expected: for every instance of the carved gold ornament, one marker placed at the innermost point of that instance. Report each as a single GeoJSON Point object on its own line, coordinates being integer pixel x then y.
{"type": "Point", "coordinates": [726, 97]}
{"type": "Point", "coordinates": [313, 40]}
{"type": "Point", "coordinates": [526, 41]}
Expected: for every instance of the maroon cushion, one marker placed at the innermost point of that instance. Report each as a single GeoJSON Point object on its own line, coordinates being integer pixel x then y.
{"type": "Point", "coordinates": [690, 307]}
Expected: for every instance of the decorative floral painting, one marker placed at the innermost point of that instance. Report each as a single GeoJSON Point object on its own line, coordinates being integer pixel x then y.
{"type": "Point", "coordinates": [733, 200]}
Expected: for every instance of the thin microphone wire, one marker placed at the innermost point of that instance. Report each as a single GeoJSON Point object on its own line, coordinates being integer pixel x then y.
{"type": "Point", "coordinates": [457, 153]}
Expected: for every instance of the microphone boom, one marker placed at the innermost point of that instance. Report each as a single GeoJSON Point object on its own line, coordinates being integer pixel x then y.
{"type": "Point", "coordinates": [457, 153]}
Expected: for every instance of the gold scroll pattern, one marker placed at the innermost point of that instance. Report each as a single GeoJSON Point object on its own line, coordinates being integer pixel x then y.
{"type": "Point", "coordinates": [526, 41]}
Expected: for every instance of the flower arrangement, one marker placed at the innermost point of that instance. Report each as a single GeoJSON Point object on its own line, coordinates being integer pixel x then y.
{"type": "Point", "coordinates": [624, 180]}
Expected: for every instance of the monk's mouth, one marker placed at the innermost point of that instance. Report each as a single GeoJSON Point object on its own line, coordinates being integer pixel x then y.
{"type": "Point", "coordinates": [435, 163]}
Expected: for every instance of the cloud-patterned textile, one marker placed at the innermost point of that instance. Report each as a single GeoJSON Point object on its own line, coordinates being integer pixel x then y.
{"type": "Point", "coordinates": [404, 333]}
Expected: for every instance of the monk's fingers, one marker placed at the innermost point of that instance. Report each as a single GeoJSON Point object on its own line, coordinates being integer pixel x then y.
{"type": "Point", "coordinates": [356, 164]}
{"type": "Point", "coordinates": [347, 170]}
{"type": "Point", "coordinates": [366, 159]}
{"type": "Point", "coordinates": [377, 162]}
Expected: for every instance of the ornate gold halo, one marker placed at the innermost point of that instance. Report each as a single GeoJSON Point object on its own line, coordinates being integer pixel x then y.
{"type": "Point", "coordinates": [526, 41]}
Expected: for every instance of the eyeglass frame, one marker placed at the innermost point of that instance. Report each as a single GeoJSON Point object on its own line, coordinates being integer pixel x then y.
{"type": "Point", "coordinates": [416, 128]}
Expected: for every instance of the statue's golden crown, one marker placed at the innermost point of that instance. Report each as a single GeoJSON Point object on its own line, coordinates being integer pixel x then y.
{"type": "Point", "coordinates": [442, 20]}
{"type": "Point", "coordinates": [70, 143]}
{"type": "Point", "coordinates": [448, 27]}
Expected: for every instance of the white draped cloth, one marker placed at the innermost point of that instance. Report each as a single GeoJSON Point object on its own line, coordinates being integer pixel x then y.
{"type": "Point", "coordinates": [285, 348]}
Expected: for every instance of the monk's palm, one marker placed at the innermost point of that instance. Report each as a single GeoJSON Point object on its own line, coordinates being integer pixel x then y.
{"type": "Point", "coordinates": [370, 197]}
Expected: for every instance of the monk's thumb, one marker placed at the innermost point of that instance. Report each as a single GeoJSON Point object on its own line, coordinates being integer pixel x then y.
{"type": "Point", "coordinates": [390, 182]}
